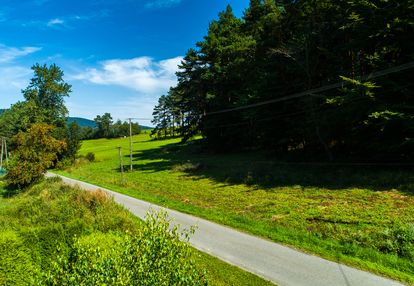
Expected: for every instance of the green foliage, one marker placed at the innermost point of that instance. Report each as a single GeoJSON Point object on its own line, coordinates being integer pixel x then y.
{"type": "Point", "coordinates": [36, 150]}
{"type": "Point", "coordinates": [47, 90]}
{"type": "Point", "coordinates": [105, 128]}
{"type": "Point", "coordinates": [280, 48]}
{"type": "Point", "coordinates": [90, 156]}
{"type": "Point", "coordinates": [43, 105]}
{"type": "Point", "coordinates": [103, 124]}
{"type": "Point", "coordinates": [19, 118]}
{"type": "Point", "coordinates": [73, 142]}
{"type": "Point", "coordinates": [399, 240]}
{"type": "Point", "coordinates": [16, 264]}
{"type": "Point", "coordinates": [51, 224]}
{"type": "Point", "coordinates": [42, 223]}
{"type": "Point", "coordinates": [156, 256]}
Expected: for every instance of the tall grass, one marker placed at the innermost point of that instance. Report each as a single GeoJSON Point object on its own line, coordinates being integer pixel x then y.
{"type": "Point", "coordinates": [52, 234]}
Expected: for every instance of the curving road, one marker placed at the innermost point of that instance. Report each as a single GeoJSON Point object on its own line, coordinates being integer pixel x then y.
{"type": "Point", "coordinates": [277, 263]}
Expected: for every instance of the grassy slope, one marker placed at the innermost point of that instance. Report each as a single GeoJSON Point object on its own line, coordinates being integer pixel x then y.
{"type": "Point", "coordinates": [322, 210]}
{"type": "Point", "coordinates": [47, 208]}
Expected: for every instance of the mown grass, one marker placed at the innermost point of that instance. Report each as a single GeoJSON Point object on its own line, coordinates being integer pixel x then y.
{"type": "Point", "coordinates": [42, 223]}
{"type": "Point", "coordinates": [362, 216]}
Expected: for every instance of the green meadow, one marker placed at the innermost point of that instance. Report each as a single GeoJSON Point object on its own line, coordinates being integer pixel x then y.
{"type": "Point", "coordinates": [362, 216]}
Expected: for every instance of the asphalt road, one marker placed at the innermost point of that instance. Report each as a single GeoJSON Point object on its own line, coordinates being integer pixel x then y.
{"type": "Point", "coordinates": [274, 262]}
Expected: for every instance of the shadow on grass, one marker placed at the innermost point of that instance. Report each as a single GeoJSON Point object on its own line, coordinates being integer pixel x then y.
{"type": "Point", "coordinates": [8, 192]}
{"type": "Point", "coordinates": [260, 170]}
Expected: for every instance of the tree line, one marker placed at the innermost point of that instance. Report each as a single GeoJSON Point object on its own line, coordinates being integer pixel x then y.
{"type": "Point", "coordinates": [107, 128]}
{"type": "Point", "coordinates": [281, 48]}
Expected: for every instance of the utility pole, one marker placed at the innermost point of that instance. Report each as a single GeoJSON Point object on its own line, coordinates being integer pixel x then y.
{"type": "Point", "coordinates": [130, 143]}
{"type": "Point", "coordinates": [1, 158]}
{"type": "Point", "coordinates": [5, 149]}
{"type": "Point", "coordinates": [4, 153]}
{"type": "Point", "coordinates": [122, 166]}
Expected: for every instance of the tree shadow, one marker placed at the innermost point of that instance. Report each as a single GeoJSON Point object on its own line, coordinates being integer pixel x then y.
{"type": "Point", "coordinates": [262, 170]}
{"type": "Point", "coordinates": [9, 191]}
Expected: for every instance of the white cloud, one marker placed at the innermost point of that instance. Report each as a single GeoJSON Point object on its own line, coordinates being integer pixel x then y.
{"type": "Point", "coordinates": [55, 22]}
{"type": "Point", "coordinates": [69, 20]}
{"type": "Point", "coordinates": [162, 3]}
{"type": "Point", "coordinates": [14, 77]}
{"type": "Point", "coordinates": [142, 74]}
{"type": "Point", "coordinates": [12, 81]}
{"type": "Point", "coordinates": [8, 54]}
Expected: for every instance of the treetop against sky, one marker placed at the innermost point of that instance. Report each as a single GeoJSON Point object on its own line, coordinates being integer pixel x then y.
{"type": "Point", "coordinates": [119, 55]}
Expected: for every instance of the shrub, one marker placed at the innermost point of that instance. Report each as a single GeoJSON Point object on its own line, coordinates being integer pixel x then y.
{"type": "Point", "coordinates": [90, 156]}
{"type": "Point", "coordinates": [158, 255]}
{"type": "Point", "coordinates": [398, 240]}
{"type": "Point", "coordinates": [16, 265]}
{"type": "Point", "coordinates": [64, 163]}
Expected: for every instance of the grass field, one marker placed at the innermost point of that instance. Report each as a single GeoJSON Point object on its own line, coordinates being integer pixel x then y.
{"type": "Point", "coordinates": [357, 215]}
{"type": "Point", "coordinates": [43, 221]}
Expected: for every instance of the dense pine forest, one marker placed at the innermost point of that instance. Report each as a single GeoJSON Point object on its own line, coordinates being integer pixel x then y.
{"type": "Point", "coordinates": [323, 79]}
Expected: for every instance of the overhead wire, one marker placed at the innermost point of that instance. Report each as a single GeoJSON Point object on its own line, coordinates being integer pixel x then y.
{"type": "Point", "coordinates": [318, 90]}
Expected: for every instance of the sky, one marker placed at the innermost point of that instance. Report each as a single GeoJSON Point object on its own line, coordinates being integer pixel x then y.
{"type": "Point", "coordinates": [119, 56]}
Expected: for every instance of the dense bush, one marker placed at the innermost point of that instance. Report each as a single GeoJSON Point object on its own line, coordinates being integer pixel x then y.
{"type": "Point", "coordinates": [36, 150]}
{"type": "Point", "coordinates": [16, 264]}
{"type": "Point", "coordinates": [155, 256]}
{"type": "Point", "coordinates": [398, 240]}
{"type": "Point", "coordinates": [90, 156]}
{"type": "Point", "coordinates": [56, 235]}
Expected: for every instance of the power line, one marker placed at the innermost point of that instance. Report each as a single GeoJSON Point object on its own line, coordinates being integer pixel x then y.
{"type": "Point", "coordinates": [139, 118]}
{"type": "Point", "coordinates": [283, 115]}
{"type": "Point", "coordinates": [319, 89]}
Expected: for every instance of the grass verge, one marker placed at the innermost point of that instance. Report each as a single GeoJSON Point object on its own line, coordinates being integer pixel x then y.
{"type": "Point", "coordinates": [356, 215]}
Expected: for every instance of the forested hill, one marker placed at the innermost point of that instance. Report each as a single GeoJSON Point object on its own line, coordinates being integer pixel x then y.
{"type": "Point", "coordinates": [82, 122]}
{"type": "Point", "coordinates": [243, 85]}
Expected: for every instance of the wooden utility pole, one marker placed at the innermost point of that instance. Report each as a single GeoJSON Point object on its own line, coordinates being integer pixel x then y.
{"type": "Point", "coordinates": [5, 149]}
{"type": "Point", "coordinates": [4, 153]}
{"type": "Point", "coordinates": [1, 157]}
{"type": "Point", "coordinates": [130, 143]}
{"type": "Point", "coordinates": [122, 166]}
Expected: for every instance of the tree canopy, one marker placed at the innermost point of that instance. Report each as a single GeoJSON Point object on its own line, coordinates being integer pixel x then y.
{"type": "Point", "coordinates": [47, 90]}
{"type": "Point", "coordinates": [36, 127]}
{"type": "Point", "coordinates": [281, 48]}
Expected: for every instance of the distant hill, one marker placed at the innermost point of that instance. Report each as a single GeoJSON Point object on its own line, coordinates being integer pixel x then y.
{"type": "Point", "coordinates": [146, 127]}
{"type": "Point", "coordinates": [82, 122]}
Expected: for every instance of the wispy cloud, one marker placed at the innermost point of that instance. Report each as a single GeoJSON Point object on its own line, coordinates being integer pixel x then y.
{"type": "Point", "coordinates": [9, 54]}
{"type": "Point", "coordinates": [162, 3]}
{"type": "Point", "coordinates": [70, 20]}
{"type": "Point", "coordinates": [142, 74]}
{"type": "Point", "coordinates": [55, 22]}
{"type": "Point", "coordinates": [14, 78]}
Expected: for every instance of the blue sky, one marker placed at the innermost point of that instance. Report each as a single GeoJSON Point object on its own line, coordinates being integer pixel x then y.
{"type": "Point", "coordinates": [118, 55]}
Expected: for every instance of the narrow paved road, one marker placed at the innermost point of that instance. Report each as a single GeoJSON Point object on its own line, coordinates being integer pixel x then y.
{"type": "Point", "coordinates": [277, 263]}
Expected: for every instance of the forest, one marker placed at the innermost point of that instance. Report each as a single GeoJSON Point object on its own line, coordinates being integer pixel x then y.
{"type": "Point", "coordinates": [319, 80]}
